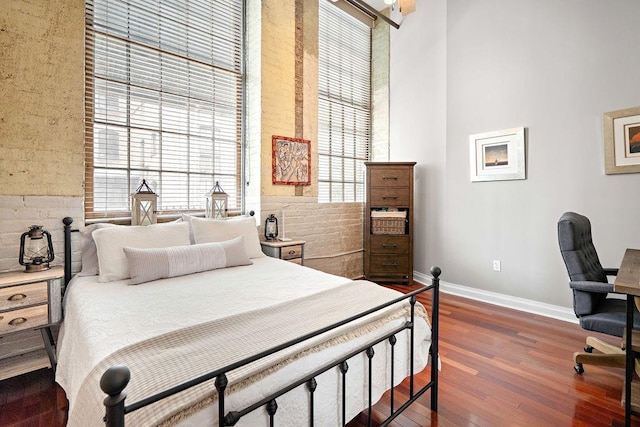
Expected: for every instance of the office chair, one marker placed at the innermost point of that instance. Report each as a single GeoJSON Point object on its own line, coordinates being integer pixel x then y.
{"type": "Point", "coordinates": [588, 280]}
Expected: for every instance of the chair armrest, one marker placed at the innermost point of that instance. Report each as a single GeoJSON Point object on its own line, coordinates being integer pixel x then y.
{"type": "Point", "coordinates": [610, 271]}
{"type": "Point", "coordinates": [587, 295]}
{"type": "Point", "coordinates": [599, 287]}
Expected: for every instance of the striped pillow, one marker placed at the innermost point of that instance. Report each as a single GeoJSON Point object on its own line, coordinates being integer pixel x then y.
{"type": "Point", "coordinates": [147, 264]}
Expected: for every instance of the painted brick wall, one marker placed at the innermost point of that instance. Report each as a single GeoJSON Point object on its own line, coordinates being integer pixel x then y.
{"type": "Point", "coordinates": [333, 231]}
{"type": "Point", "coordinates": [18, 213]}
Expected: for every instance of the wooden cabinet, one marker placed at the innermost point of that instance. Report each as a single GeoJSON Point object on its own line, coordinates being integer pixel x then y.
{"type": "Point", "coordinates": [292, 250]}
{"type": "Point", "coordinates": [30, 303]}
{"type": "Point", "coordinates": [388, 228]}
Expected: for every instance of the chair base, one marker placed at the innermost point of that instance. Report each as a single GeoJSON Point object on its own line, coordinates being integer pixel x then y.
{"type": "Point", "coordinates": [610, 355]}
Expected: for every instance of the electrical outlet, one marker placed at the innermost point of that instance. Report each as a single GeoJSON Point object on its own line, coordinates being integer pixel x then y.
{"type": "Point", "coordinates": [496, 265]}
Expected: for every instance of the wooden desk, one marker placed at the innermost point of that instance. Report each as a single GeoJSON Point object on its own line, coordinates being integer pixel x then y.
{"type": "Point", "coordinates": [628, 282]}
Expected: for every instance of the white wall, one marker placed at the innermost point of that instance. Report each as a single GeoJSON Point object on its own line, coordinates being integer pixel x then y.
{"type": "Point", "coordinates": [552, 66]}
{"type": "Point", "coordinates": [418, 101]}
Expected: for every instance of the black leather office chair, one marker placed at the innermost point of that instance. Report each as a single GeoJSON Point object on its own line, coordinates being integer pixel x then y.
{"type": "Point", "coordinates": [588, 280]}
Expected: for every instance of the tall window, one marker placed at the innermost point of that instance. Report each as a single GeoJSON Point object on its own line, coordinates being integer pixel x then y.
{"type": "Point", "coordinates": [164, 90]}
{"type": "Point", "coordinates": [344, 105]}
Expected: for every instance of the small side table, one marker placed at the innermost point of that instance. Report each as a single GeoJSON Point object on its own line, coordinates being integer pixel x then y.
{"type": "Point", "coordinates": [291, 250]}
{"type": "Point", "coordinates": [28, 301]}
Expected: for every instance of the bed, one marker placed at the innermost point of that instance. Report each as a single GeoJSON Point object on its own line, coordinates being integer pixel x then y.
{"type": "Point", "coordinates": [249, 340]}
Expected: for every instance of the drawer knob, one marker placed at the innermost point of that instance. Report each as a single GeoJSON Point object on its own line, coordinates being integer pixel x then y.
{"type": "Point", "coordinates": [291, 252]}
{"type": "Point", "coordinates": [17, 321]}
{"type": "Point", "coordinates": [393, 264]}
{"type": "Point", "coordinates": [389, 197]}
{"type": "Point", "coordinates": [384, 245]}
{"type": "Point", "coordinates": [17, 297]}
{"type": "Point", "coordinates": [390, 177]}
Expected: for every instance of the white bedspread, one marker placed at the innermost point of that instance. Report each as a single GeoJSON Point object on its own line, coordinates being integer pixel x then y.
{"type": "Point", "coordinates": [101, 318]}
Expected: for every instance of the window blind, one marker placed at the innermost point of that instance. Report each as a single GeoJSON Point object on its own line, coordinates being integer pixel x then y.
{"type": "Point", "coordinates": [344, 104]}
{"type": "Point", "coordinates": [164, 90]}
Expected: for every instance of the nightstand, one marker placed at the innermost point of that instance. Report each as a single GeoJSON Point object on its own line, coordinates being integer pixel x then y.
{"type": "Point", "coordinates": [29, 303]}
{"type": "Point", "coordinates": [291, 250]}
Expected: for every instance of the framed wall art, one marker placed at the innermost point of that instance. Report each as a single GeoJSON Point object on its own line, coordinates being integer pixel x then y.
{"type": "Point", "coordinates": [498, 155]}
{"type": "Point", "coordinates": [622, 141]}
{"type": "Point", "coordinates": [291, 161]}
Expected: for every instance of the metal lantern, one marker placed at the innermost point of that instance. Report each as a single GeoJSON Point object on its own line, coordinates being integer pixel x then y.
{"type": "Point", "coordinates": [37, 252]}
{"type": "Point", "coordinates": [144, 204]}
{"type": "Point", "coordinates": [217, 202]}
{"type": "Point", "coordinates": [271, 227]}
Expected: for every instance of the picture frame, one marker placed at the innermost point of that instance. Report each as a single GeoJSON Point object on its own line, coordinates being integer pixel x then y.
{"type": "Point", "coordinates": [291, 161]}
{"type": "Point", "coordinates": [621, 134]}
{"type": "Point", "coordinates": [498, 155]}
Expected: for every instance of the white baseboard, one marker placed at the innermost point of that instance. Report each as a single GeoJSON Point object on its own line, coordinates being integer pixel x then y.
{"type": "Point", "coordinates": [516, 303]}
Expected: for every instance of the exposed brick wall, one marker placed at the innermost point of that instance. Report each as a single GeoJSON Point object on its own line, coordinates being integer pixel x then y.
{"type": "Point", "coordinates": [42, 126]}
{"type": "Point", "coordinates": [41, 93]}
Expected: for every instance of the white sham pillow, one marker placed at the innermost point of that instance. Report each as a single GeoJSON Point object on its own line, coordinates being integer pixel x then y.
{"type": "Point", "coordinates": [219, 230]}
{"type": "Point", "coordinates": [146, 265]}
{"type": "Point", "coordinates": [89, 254]}
{"type": "Point", "coordinates": [112, 262]}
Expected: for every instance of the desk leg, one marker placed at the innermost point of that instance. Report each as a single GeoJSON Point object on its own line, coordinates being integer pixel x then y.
{"type": "Point", "coordinates": [629, 365]}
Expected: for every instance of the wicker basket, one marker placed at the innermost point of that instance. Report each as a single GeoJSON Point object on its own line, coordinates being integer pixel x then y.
{"type": "Point", "coordinates": [383, 222]}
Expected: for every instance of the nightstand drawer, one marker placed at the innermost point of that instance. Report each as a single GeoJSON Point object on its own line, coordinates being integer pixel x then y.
{"type": "Point", "coordinates": [291, 252]}
{"type": "Point", "coordinates": [389, 196]}
{"type": "Point", "coordinates": [25, 318]}
{"type": "Point", "coordinates": [19, 296]}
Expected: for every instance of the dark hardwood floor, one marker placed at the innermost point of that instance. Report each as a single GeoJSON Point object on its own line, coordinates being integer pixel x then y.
{"type": "Point", "coordinates": [500, 367]}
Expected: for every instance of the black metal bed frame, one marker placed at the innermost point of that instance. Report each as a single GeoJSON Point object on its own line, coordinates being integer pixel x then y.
{"type": "Point", "coordinates": [114, 381]}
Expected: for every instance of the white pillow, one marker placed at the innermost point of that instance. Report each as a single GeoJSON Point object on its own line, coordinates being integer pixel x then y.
{"type": "Point", "coordinates": [110, 242]}
{"type": "Point", "coordinates": [89, 255]}
{"type": "Point", "coordinates": [219, 230]}
{"type": "Point", "coordinates": [188, 218]}
{"type": "Point", "coordinates": [159, 263]}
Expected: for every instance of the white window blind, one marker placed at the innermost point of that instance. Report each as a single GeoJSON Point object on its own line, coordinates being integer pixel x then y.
{"type": "Point", "coordinates": [344, 105]}
{"type": "Point", "coordinates": [164, 91]}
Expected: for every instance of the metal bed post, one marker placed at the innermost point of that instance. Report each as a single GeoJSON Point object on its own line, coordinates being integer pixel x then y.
{"type": "Point", "coordinates": [435, 304]}
{"type": "Point", "coordinates": [370, 354]}
{"type": "Point", "coordinates": [392, 341]}
{"type": "Point", "coordinates": [344, 367]}
{"type": "Point", "coordinates": [311, 385]}
{"type": "Point", "coordinates": [67, 249]}
{"type": "Point", "coordinates": [221, 384]}
{"type": "Point", "coordinates": [113, 383]}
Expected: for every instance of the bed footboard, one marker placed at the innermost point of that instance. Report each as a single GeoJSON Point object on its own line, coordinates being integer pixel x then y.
{"type": "Point", "coordinates": [116, 378]}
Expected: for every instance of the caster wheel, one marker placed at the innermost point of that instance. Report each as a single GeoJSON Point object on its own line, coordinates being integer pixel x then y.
{"type": "Point", "coordinates": [588, 349]}
{"type": "Point", "coordinates": [578, 368]}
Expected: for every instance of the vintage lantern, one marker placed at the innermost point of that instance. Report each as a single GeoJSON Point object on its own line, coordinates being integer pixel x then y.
{"type": "Point", "coordinates": [144, 204]}
{"type": "Point", "coordinates": [36, 249]}
{"type": "Point", "coordinates": [217, 202]}
{"type": "Point", "coordinates": [271, 227]}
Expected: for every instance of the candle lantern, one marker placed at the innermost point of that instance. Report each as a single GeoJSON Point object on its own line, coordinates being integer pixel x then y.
{"type": "Point", "coordinates": [36, 249]}
{"type": "Point", "coordinates": [217, 202]}
{"type": "Point", "coordinates": [271, 227]}
{"type": "Point", "coordinates": [144, 204]}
